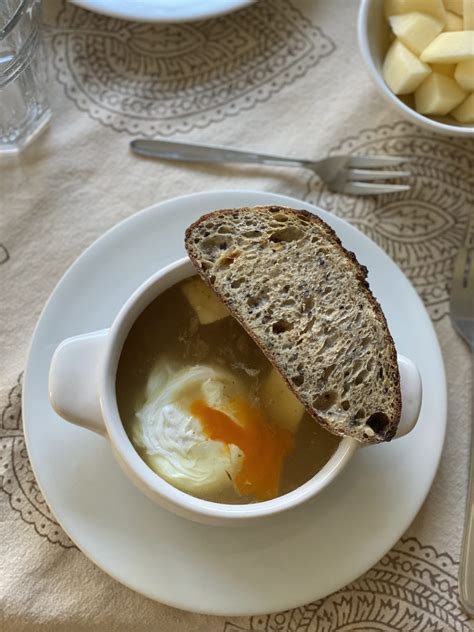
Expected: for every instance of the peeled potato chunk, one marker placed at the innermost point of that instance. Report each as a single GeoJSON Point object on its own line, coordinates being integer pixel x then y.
{"type": "Point", "coordinates": [464, 75]}
{"type": "Point", "coordinates": [450, 48]}
{"type": "Point", "coordinates": [438, 94]}
{"type": "Point", "coordinates": [433, 7]}
{"type": "Point", "coordinates": [444, 69]}
{"type": "Point", "coordinates": [468, 15]}
{"type": "Point", "coordinates": [415, 30]}
{"type": "Point", "coordinates": [205, 303]}
{"type": "Point", "coordinates": [464, 113]}
{"type": "Point", "coordinates": [453, 22]}
{"type": "Point", "coordinates": [402, 70]}
{"type": "Point", "coordinates": [454, 5]}
{"type": "Point", "coordinates": [281, 405]}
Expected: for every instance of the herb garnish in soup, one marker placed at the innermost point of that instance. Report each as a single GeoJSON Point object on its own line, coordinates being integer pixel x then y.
{"type": "Point", "coordinates": [206, 410]}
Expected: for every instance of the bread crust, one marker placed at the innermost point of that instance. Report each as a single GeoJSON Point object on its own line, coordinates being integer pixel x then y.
{"type": "Point", "coordinates": [305, 218]}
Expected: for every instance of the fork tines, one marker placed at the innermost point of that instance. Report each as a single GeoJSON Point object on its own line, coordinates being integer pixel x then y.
{"type": "Point", "coordinates": [363, 170]}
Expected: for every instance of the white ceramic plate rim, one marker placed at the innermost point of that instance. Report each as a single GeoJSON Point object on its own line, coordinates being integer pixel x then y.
{"type": "Point", "coordinates": [220, 199]}
{"type": "Point", "coordinates": [159, 11]}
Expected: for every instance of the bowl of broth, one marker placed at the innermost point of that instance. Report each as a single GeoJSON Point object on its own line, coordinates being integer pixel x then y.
{"type": "Point", "coordinates": [196, 415]}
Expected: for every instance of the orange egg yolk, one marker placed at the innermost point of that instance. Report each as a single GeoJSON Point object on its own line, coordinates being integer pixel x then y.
{"type": "Point", "coordinates": [263, 444]}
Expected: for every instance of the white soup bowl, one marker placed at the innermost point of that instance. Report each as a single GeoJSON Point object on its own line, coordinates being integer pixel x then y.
{"type": "Point", "coordinates": [82, 390]}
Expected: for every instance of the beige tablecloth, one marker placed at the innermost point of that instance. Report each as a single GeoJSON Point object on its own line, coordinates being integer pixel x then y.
{"type": "Point", "coordinates": [282, 77]}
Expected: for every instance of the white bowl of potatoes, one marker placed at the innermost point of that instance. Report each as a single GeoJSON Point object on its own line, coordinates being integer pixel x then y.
{"type": "Point", "coordinates": [420, 54]}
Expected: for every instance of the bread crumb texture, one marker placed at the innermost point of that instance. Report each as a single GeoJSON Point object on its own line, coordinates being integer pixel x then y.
{"type": "Point", "coordinates": [304, 299]}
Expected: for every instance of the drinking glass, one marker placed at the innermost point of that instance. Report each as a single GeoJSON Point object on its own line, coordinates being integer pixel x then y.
{"type": "Point", "coordinates": [24, 108]}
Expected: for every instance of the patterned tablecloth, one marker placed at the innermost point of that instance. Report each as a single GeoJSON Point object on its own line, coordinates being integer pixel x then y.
{"type": "Point", "coordinates": [282, 76]}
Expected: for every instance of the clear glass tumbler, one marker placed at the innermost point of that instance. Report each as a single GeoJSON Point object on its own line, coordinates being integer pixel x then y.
{"type": "Point", "coordinates": [24, 107]}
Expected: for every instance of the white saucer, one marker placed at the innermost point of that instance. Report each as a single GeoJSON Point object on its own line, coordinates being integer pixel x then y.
{"type": "Point", "coordinates": [291, 559]}
{"type": "Point", "coordinates": [163, 10]}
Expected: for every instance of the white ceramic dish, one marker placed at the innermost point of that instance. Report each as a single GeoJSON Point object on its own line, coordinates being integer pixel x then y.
{"type": "Point", "coordinates": [290, 559]}
{"type": "Point", "coordinates": [82, 390]}
{"type": "Point", "coordinates": [163, 10]}
{"type": "Point", "coordinates": [373, 33]}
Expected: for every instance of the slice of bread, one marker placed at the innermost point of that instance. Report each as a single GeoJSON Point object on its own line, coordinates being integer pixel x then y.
{"type": "Point", "coordinates": [304, 299]}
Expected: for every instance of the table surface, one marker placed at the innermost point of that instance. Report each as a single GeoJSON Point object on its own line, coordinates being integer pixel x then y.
{"type": "Point", "coordinates": [281, 77]}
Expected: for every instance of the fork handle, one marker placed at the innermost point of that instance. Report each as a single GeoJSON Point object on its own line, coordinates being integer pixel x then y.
{"type": "Point", "coordinates": [171, 150]}
{"type": "Point", "coordinates": [466, 568]}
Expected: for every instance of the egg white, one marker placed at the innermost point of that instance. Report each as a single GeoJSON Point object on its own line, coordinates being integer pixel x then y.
{"type": "Point", "coordinates": [172, 441]}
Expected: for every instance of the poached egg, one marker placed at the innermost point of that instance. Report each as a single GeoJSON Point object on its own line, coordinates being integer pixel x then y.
{"type": "Point", "coordinates": [199, 432]}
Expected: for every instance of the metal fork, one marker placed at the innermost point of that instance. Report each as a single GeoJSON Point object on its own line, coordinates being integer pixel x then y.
{"type": "Point", "coordinates": [353, 175]}
{"type": "Point", "coordinates": [462, 316]}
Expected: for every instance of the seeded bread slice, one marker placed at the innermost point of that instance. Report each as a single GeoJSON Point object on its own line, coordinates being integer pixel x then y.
{"type": "Point", "coordinates": [304, 299]}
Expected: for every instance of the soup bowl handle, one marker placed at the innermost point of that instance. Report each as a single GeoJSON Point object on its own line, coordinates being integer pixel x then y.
{"type": "Point", "coordinates": [74, 380]}
{"type": "Point", "coordinates": [412, 395]}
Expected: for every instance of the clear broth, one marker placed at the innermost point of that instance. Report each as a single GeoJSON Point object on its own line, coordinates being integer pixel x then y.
{"type": "Point", "coordinates": [169, 327]}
